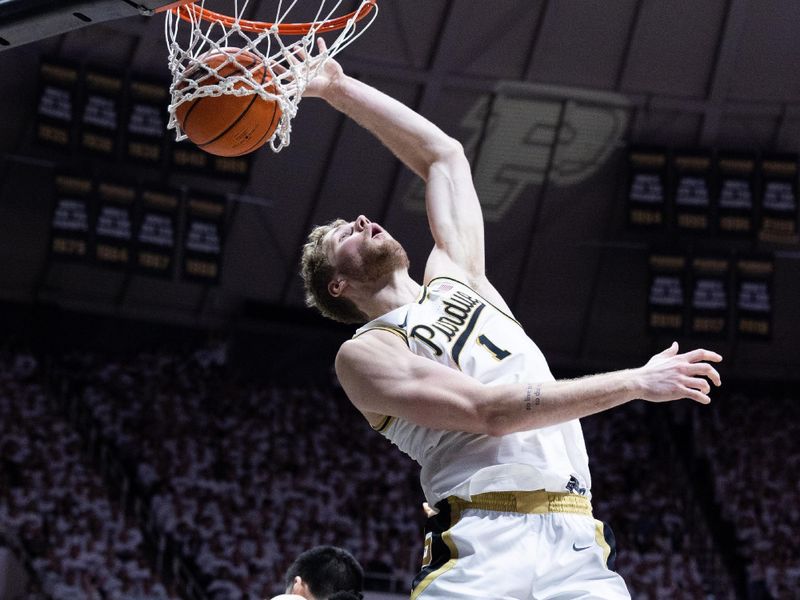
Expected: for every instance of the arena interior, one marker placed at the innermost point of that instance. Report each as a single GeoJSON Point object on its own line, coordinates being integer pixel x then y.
{"type": "Point", "coordinates": [171, 426]}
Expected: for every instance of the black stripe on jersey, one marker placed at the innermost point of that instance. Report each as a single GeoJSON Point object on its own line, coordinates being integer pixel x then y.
{"type": "Point", "coordinates": [462, 339]}
{"type": "Point", "coordinates": [424, 294]}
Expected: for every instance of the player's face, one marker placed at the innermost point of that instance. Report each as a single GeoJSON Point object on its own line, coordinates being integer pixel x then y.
{"type": "Point", "coordinates": [364, 250]}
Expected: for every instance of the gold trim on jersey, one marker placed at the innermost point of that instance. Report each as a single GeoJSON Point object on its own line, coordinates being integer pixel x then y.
{"type": "Point", "coordinates": [600, 538]}
{"type": "Point", "coordinates": [398, 332]}
{"type": "Point", "coordinates": [538, 502]}
{"type": "Point", "coordinates": [383, 425]}
{"type": "Point", "coordinates": [500, 310]}
{"type": "Point", "coordinates": [455, 516]}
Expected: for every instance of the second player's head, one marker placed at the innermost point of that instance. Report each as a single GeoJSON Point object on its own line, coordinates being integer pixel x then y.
{"type": "Point", "coordinates": [325, 573]}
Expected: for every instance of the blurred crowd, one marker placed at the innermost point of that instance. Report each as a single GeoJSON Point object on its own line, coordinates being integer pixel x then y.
{"type": "Point", "coordinates": [241, 476]}
{"type": "Point", "coordinates": [80, 543]}
{"type": "Point", "coordinates": [245, 476]}
{"type": "Point", "coordinates": [640, 488]}
{"type": "Point", "coordinates": [752, 444]}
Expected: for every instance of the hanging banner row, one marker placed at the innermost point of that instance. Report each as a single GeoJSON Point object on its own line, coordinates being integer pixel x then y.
{"type": "Point", "coordinates": [707, 295]}
{"type": "Point", "coordinates": [146, 230]}
{"type": "Point", "coordinates": [103, 114]}
{"type": "Point", "coordinates": [729, 194]}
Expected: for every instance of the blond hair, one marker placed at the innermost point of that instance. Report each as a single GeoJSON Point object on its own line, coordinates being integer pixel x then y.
{"type": "Point", "coordinates": [317, 272]}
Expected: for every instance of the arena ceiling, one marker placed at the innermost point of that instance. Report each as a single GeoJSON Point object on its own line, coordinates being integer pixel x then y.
{"type": "Point", "coordinates": [568, 86]}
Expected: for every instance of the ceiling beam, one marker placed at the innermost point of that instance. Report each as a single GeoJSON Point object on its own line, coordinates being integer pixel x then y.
{"type": "Point", "coordinates": [723, 70]}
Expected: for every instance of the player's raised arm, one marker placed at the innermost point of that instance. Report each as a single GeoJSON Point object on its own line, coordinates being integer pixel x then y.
{"type": "Point", "coordinates": [382, 377]}
{"type": "Point", "coordinates": [454, 213]}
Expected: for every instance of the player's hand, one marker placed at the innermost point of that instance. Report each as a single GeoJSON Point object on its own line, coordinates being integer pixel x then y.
{"type": "Point", "coordinates": [672, 376]}
{"type": "Point", "coordinates": [329, 73]}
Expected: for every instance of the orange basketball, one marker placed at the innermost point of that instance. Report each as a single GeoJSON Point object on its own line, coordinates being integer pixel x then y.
{"type": "Point", "coordinates": [229, 125]}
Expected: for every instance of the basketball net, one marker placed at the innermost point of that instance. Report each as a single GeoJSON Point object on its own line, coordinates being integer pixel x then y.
{"type": "Point", "coordinates": [192, 32]}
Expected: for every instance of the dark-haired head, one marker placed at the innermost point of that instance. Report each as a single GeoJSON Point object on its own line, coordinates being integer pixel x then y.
{"type": "Point", "coordinates": [328, 572]}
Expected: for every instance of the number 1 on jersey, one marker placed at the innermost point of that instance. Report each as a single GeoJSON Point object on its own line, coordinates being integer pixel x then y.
{"type": "Point", "coordinates": [497, 353]}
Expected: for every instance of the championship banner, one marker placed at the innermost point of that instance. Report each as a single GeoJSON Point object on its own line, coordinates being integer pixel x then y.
{"type": "Point", "coordinates": [754, 297]}
{"type": "Point", "coordinates": [100, 117]}
{"type": "Point", "coordinates": [146, 122]}
{"type": "Point", "coordinates": [708, 309]}
{"type": "Point", "coordinates": [646, 188]}
{"type": "Point", "coordinates": [70, 225]}
{"type": "Point", "coordinates": [666, 292]}
{"type": "Point", "coordinates": [202, 250]}
{"type": "Point", "coordinates": [691, 192]}
{"type": "Point", "coordinates": [736, 197]}
{"type": "Point", "coordinates": [55, 110]}
{"type": "Point", "coordinates": [114, 224]}
{"type": "Point", "coordinates": [779, 199]}
{"type": "Point", "coordinates": [157, 232]}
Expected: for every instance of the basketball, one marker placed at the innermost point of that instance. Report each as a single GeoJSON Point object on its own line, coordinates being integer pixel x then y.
{"type": "Point", "coordinates": [229, 125]}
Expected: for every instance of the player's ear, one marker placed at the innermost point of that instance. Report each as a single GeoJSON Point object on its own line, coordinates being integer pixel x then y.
{"type": "Point", "coordinates": [336, 287]}
{"type": "Point", "coordinates": [300, 588]}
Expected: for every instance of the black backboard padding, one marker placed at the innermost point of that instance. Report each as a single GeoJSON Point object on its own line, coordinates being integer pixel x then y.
{"type": "Point", "coordinates": [25, 21]}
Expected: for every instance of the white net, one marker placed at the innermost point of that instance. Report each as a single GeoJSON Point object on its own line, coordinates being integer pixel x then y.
{"type": "Point", "coordinates": [253, 60]}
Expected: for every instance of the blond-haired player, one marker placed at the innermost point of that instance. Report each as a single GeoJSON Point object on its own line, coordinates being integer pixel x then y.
{"type": "Point", "coordinates": [443, 370]}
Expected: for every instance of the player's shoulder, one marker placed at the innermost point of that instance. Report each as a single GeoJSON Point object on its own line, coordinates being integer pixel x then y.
{"type": "Point", "coordinates": [370, 344]}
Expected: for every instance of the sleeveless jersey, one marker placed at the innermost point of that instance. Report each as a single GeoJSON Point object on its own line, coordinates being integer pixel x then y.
{"type": "Point", "coordinates": [455, 326]}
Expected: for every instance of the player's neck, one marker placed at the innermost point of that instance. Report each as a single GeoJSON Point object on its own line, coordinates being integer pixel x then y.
{"type": "Point", "coordinates": [395, 291]}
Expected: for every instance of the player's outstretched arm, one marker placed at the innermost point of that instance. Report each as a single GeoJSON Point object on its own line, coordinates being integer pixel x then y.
{"type": "Point", "coordinates": [381, 376]}
{"type": "Point", "coordinates": [454, 213]}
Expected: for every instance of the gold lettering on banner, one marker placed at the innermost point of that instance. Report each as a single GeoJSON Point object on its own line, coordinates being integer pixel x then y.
{"type": "Point", "coordinates": [112, 253]}
{"type": "Point", "coordinates": [69, 246]}
{"type": "Point", "coordinates": [201, 268]}
{"type": "Point", "coordinates": [142, 150]}
{"type": "Point", "coordinates": [690, 221]}
{"type": "Point", "coordinates": [640, 216]}
{"type": "Point", "coordinates": [153, 261]}
{"type": "Point", "coordinates": [754, 326]}
{"type": "Point", "coordinates": [664, 320]}
{"type": "Point", "coordinates": [735, 223]}
{"type": "Point", "coordinates": [50, 133]}
{"type": "Point", "coordinates": [97, 142]}
{"type": "Point", "coordinates": [60, 74]}
{"type": "Point", "coordinates": [708, 324]}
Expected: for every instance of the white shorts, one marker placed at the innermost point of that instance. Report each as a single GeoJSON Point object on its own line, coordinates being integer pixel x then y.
{"type": "Point", "coordinates": [518, 546]}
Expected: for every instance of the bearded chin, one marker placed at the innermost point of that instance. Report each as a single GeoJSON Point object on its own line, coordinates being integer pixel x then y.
{"type": "Point", "coordinates": [378, 262]}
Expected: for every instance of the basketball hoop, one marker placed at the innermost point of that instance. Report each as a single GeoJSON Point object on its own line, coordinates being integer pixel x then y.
{"type": "Point", "coordinates": [194, 32]}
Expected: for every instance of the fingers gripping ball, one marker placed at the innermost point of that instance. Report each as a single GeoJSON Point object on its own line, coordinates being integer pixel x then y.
{"type": "Point", "coordinates": [229, 125]}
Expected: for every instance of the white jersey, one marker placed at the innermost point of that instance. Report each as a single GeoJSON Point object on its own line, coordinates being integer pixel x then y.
{"type": "Point", "coordinates": [455, 326]}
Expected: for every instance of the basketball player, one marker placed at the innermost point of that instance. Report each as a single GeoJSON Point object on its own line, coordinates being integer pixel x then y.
{"type": "Point", "coordinates": [445, 372]}
{"type": "Point", "coordinates": [324, 573]}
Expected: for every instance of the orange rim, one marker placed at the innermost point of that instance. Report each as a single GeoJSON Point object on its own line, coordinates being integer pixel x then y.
{"type": "Point", "coordinates": [185, 9]}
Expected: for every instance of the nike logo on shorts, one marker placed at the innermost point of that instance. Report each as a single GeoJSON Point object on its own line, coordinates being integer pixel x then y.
{"type": "Point", "coordinates": [579, 548]}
